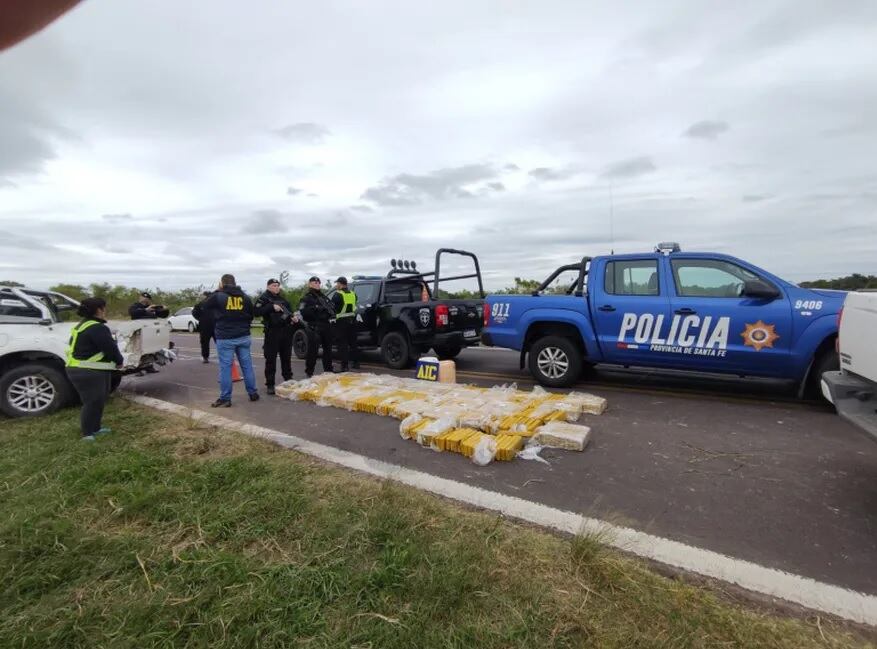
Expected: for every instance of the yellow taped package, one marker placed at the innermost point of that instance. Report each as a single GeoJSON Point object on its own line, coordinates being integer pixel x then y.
{"type": "Point", "coordinates": [368, 404]}
{"type": "Point", "coordinates": [452, 439]}
{"type": "Point", "coordinates": [507, 446]}
{"type": "Point", "coordinates": [558, 434]}
{"type": "Point", "coordinates": [411, 425]}
{"type": "Point", "coordinates": [467, 446]}
{"type": "Point", "coordinates": [427, 435]}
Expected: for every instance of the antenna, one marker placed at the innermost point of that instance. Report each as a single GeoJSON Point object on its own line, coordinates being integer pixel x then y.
{"type": "Point", "coordinates": [611, 220]}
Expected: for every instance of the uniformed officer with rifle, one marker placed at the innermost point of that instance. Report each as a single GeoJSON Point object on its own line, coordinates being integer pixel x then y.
{"type": "Point", "coordinates": [319, 314]}
{"type": "Point", "coordinates": [277, 318]}
{"type": "Point", "coordinates": [344, 301]}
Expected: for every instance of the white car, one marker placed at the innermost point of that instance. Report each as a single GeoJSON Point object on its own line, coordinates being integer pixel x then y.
{"type": "Point", "coordinates": [33, 346]}
{"type": "Point", "coordinates": [183, 320]}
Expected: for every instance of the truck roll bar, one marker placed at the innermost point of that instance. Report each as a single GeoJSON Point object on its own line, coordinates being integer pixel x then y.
{"type": "Point", "coordinates": [578, 285]}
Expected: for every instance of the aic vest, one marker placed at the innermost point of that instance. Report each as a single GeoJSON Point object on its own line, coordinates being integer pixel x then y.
{"type": "Point", "coordinates": [95, 362]}
{"type": "Point", "coordinates": [348, 309]}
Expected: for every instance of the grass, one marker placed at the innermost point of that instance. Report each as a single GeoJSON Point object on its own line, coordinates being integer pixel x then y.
{"type": "Point", "coordinates": [165, 534]}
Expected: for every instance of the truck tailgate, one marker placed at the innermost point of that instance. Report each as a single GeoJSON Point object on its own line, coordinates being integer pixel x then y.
{"type": "Point", "coordinates": [464, 315]}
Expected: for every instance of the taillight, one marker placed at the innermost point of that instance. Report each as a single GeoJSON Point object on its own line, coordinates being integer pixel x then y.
{"type": "Point", "coordinates": [840, 317]}
{"type": "Point", "coordinates": [486, 312]}
{"type": "Point", "coordinates": [441, 315]}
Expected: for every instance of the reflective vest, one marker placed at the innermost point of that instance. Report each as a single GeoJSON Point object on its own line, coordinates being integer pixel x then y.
{"type": "Point", "coordinates": [95, 362]}
{"type": "Point", "coordinates": [348, 309]}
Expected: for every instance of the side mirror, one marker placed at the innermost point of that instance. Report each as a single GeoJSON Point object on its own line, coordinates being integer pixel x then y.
{"type": "Point", "coordinates": [759, 289]}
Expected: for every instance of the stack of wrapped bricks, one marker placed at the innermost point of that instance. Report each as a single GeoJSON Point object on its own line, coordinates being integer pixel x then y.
{"type": "Point", "coordinates": [465, 419]}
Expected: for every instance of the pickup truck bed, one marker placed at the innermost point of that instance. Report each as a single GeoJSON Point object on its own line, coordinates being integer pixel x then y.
{"type": "Point", "coordinates": [853, 389]}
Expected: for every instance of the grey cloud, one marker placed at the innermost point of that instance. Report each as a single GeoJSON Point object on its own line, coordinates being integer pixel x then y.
{"type": "Point", "coordinates": [511, 166]}
{"type": "Point", "coordinates": [630, 168]}
{"type": "Point", "coordinates": [304, 133]}
{"type": "Point", "coordinates": [706, 130]}
{"type": "Point", "coordinates": [756, 198]}
{"type": "Point", "coordinates": [116, 218]}
{"type": "Point", "coordinates": [440, 185]}
{"type": "Point", "coordinates": [496, 186]}
{"type": "Point", "coordinates": [362, 208]}
{"type": "Point", "coordinates": [312, 195]}
{"type": "Point", "coordinates": [293, 191]}
{"type": "Point", "coordinates": [550, 173]}
{"type": "Point", "coordinates": [264, 222]}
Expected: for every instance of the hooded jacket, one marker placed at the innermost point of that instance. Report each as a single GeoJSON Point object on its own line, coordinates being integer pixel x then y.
{"type": "Point", "coordinates": [233, 310]}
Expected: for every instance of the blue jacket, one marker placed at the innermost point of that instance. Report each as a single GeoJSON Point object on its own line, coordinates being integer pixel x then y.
{"type": "Point", "coordinates": [233, 311]}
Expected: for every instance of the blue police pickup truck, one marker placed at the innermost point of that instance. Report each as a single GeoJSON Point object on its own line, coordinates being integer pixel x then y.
{"type": "Point", "coordinates": [704, 312]}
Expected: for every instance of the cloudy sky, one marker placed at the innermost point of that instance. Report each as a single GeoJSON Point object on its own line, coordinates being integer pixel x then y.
{"type": "Point", "coordinates": [161, 143]}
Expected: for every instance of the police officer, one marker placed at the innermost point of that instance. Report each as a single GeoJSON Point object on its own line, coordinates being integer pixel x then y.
{"type": "Point", "coordinates": [319, 314]}
{"type": "Point", "coordinates": [144, 309]}
{"type": "Point", "coordinates": [277, 318]}
{"type": "Point", "coordinates": [206, 326]}
{"type": "Point", "coordinates": [344, 301]}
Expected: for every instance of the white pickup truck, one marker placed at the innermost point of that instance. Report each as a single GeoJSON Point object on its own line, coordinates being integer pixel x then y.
{"type": "Point", "coordinates": [33, 346]}
{"type": "Point", "coordinates": [853, 390]}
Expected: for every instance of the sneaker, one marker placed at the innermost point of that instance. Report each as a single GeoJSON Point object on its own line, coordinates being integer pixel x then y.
{"type": "Point", "coordinates": [269, 389]}
{"type": "Point", "coordinates": [221, 403]}
{"type": "Point", "coordinates": [205, 360]}
{"type": "Point", "coordinates": [88, 438]}
{"type": "Point", "coordinates": [344, 368]}
{"type": "Point", "coordinates": [254, 396]}
{"type": "Point", "coordinates": [104, 431]}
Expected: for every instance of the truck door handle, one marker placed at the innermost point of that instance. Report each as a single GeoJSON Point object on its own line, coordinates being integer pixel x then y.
{"type": "Point", "coordinates": [607, 307]}
{"type": "Point", "coordinates": [686, 311]}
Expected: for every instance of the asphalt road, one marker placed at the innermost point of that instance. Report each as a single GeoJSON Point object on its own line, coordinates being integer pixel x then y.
{"type": "Point", "coordinates": [738, 467]}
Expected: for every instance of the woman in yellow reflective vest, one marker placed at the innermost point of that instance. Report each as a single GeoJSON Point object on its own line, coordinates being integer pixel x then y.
{"type": "Point", "coordinates": [92, 355]}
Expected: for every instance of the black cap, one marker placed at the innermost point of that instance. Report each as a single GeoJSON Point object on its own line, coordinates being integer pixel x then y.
{"type": "Point", "coordinates": [146, 295]}
{"type": "Point", "coordinates": [272, 281]}
{"type": "Point", "coordinates": [341, 280]}
{"type": "Point", "coordinates": [314, 279]}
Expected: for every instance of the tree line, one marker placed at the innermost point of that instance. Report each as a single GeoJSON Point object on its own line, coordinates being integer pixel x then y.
{"type": "Point", "coordinates": [120, 297]}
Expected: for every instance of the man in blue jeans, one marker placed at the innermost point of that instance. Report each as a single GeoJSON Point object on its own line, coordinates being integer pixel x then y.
{"type": "Point", "coordinates": [233, 313]}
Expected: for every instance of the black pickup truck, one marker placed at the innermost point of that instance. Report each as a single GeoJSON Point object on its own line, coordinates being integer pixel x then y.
{"type": "Point", "coordinates": [400, 315]}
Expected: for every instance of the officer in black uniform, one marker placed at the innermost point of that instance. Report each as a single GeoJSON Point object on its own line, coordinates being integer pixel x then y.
{"type": "Point", "coordinates": [144, 309]}
{"type": "Point", "coordinates": [318, 314]}
{"type": "Point", "coordinates": [277, 318]}
{"type": "Point", "coordinates": [344, 302]}
{"type": "Point", "coordinates": [206, 326]}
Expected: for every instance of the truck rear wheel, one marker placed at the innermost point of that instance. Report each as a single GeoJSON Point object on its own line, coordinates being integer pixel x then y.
{"type": "Point", "coordinates": [396, 351]}
{"type": "Point", "coordinates": [300, 344]}
{"type": "Point", "coordinates": [34, 389]}
{"type": "Point", "coordinates": [555, 361]}
{"type": "Point", "coordinates": [447, 353]}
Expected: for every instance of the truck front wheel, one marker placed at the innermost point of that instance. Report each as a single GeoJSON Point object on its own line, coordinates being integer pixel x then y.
{"type": "Point", "coordinates": [34, 389]}
{"type": "Point", "coordinates": [827, 361]}
{"type": "Point", "coordinates": [555, 361]}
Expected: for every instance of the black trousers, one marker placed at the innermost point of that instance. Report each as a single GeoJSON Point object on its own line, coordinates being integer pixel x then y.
{"type": "Point", "coordinates": [93, 387]}
{"type": "Point", "coordinates": [345, 335]}
{"type": "Point", "coordinates": [206, 335]}
{"type": "Point", "coordinates": [278, 342]}
{"type": "Point", "coordinates": [319, 335]}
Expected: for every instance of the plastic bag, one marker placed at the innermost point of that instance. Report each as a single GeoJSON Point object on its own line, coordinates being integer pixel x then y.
{"type": "Point", "coordinates": [485, 451]}
{"type": "Point", "coordinates": [428, 433]}
{"type": "Point", "coordinates": [407, 425]}
{"type": "Point", "coordinates": [532, 453]}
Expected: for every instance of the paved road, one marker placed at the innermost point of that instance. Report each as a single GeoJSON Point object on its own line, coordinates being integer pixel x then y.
{"type": "Point", "coordinates": [732, 466]}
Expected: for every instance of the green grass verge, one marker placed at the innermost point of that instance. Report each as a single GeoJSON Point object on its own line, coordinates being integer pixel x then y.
{"type": "Point", "coordinates": [164, 534]}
